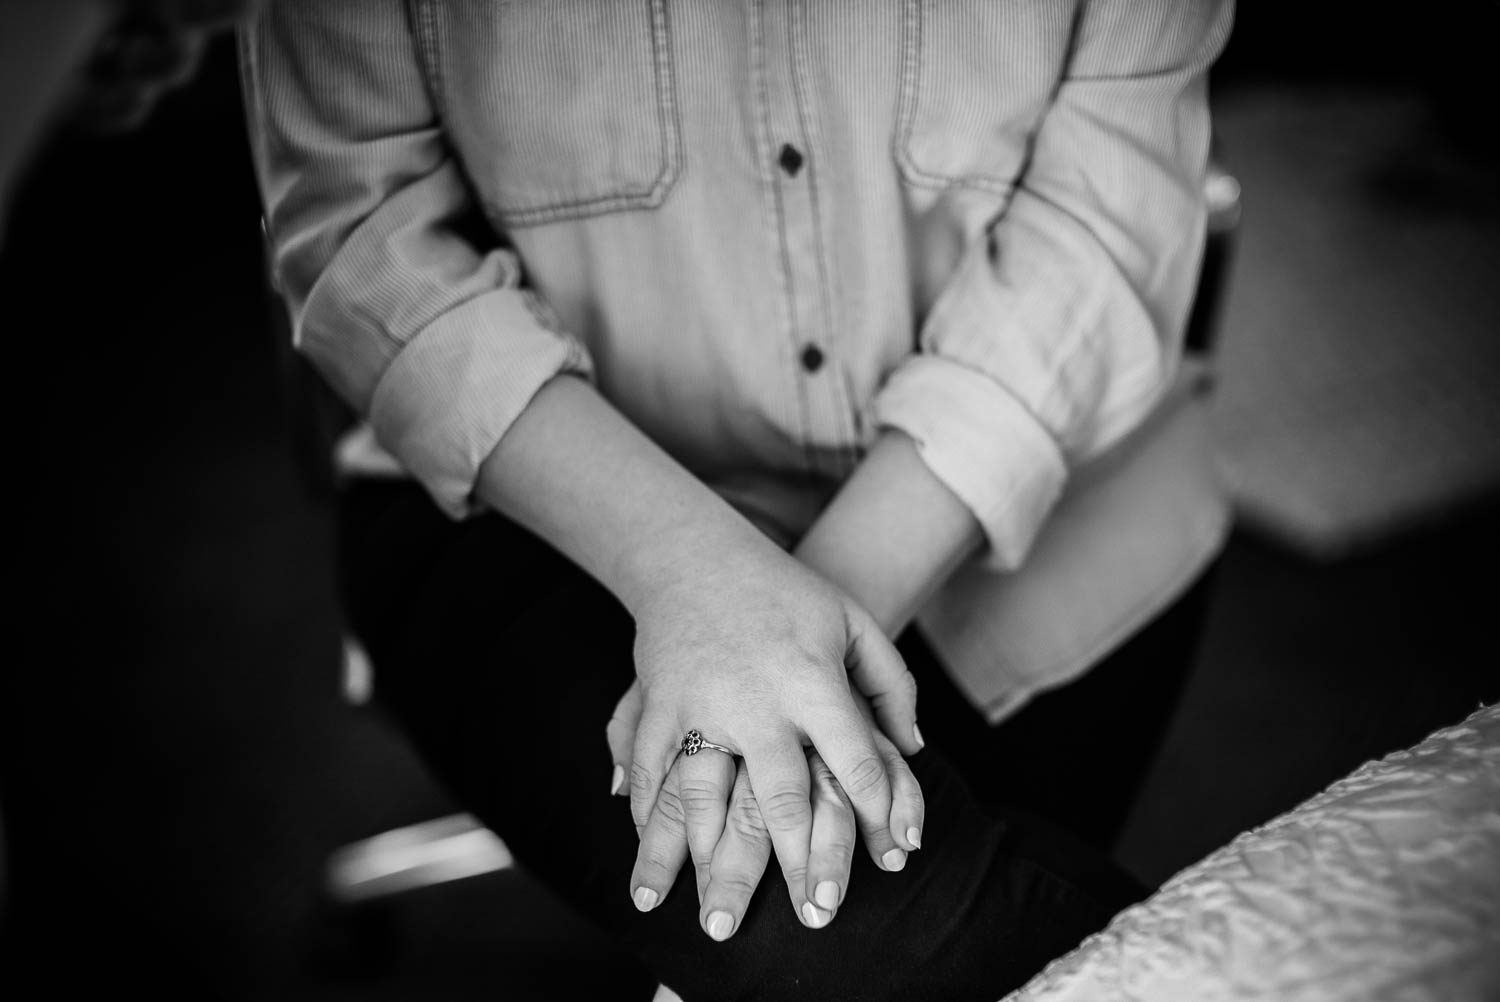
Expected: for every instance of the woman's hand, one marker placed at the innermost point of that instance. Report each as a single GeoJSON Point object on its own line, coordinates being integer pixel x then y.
{"type": "Point", "coordinates": [757, 653]}
{"type": "Point", "coordinates": [729, 868]}
{"type": "Point", "coordinates": [734, 637]}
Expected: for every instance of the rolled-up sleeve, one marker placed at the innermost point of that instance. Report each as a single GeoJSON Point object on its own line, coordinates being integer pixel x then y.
{"type": "Point", "coordinates": [1062, 326]}
{"type": "Point", "coordinates": [421, 325]}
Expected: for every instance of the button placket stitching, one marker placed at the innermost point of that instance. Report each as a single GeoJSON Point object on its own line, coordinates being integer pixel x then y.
{"type": "Point", "coordinates": [768, 145]}
{"type": "Point", "coordinates": [833, 383]}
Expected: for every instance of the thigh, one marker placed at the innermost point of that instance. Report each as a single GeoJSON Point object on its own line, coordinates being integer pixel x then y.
{"type": "Point", "coordinates": [1080, 754]}
{"type": "Point", "coordinates": [502, 662]}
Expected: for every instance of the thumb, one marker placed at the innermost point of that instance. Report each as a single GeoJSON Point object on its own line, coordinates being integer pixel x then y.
{"type": "Point", "coordinates": [620, 734]}
{"type": "Point", "coordinates": [880, 675]}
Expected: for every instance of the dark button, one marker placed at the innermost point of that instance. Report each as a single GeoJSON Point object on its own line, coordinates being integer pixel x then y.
{"type": "Point", "coordinates": [790, 160]}
{"type": "Point", "coordinates": [812, 358]}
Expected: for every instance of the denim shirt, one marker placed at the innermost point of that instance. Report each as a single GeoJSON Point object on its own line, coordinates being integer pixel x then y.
{"type": "Point", "coordinates": [767, 230]}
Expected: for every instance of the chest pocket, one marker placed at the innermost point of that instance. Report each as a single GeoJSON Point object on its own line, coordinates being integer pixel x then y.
{"type": "Point", "coordinates": [558, 109]}
{"type": "Point", "coordinates": [977, 78]}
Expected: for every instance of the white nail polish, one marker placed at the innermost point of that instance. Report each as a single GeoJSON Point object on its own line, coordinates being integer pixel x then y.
{"type": "Point", "coordinates": [916, 733]}
{"type": "Point", "coordinates": [646, 898]}
{"type": "Point", "coordinates": [720, 925]}
{"type": "Point", "coordinates": [914, 836]}
{"type": "Point", "coordinates": [616, 780]}
{"type": "Point", "coordinates": [826, 894]}
{"type": "Point", "coordinates": [812, 916]}
{"type": "Point", "coordinates": [894, 860]}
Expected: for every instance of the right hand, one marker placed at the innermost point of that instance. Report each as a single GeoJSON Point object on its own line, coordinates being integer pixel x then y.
{"type": "Point", "coordinates": [729, 868]}
{"type": "Point", "coordinates": [758, 653]}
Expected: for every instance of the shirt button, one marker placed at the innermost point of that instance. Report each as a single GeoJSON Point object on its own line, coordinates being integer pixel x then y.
{"type": "Point", "coordinates": [790, 160]}
{"type": "Point", "coordinates": [812, 358]}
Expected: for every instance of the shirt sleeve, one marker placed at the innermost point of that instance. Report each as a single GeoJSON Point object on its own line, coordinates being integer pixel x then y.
{"type": "Point", "coordinates": [1063, 323]}
{"type": "Point", "coordinates": [398, 291]}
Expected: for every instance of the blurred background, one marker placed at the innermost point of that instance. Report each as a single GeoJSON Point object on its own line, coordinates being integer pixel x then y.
{"type": "Point", "coordinates": [179, 760]}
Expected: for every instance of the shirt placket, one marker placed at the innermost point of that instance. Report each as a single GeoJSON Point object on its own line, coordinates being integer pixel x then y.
{"type": "Point", "coordinates": [790, 147]}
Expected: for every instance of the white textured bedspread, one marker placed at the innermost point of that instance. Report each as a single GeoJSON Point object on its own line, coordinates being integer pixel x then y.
{"type": "Point", "coordinates": [1384, 887]}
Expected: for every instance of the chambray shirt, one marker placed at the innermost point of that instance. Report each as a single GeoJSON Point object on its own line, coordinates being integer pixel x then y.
{"type": "Point", "coordinates": [766, 230]}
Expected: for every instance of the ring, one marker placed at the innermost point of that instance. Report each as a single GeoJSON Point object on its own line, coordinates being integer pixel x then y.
{"type": "Point", "coordinates": [693, 743]}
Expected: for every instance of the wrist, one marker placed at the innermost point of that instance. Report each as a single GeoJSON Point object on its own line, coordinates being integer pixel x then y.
{"type": "Point", "coordinates": [892, 535]}
{"type": "Point", "coordinates": [687, 545]}
{"type": "Point", "coordinates": [575, 472]}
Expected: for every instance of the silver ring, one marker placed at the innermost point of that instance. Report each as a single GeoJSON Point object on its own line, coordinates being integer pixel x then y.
{"type": "Point", "coordinates": [693, 743]}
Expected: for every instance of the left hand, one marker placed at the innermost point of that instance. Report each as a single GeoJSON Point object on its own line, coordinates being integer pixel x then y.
{"type": "Point", "coordinates": [707, 811]}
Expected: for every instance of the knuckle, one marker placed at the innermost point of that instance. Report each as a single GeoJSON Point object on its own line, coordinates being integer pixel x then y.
{"type": "Point", "coordinates": [642, 780]}
{"type": "Point", "coordinates": [901, 776]}
{"type": "Point", "coordinates": [669, 808]}
{"type": "Point", "coordinates": [866, 778]}
{"type": "Point", "coordinates": [745, 818]}
{"type": "Point", "coordinates": [657, 859]}
{"type": "Point", "coordinates": [838, 844]}
{"type": "Point", "coordinates": [909, 685]}
{"type": "Point", "coordinates": [699, 798]}
{"type": "Point", "coordinates": [734, 883]}
{"type": "Point", "coordinates": [818, 769]}
{"type": "Point", "coordinates": [786, 809]}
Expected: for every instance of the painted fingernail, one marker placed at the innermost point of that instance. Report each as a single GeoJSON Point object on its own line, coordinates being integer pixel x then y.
{"type": "Point", "coordinates": [646, 898]}
{"type": "Point", "coordinates": [916, 733]}
{"type": "Point", "coordinates": [812, 916]}
{"type": "Point", "coordinates": [894, 860]}
{"type": "Point", "coordinates": [720, 925]}
{"type": "Point", "coordinates": [617, 780]}
{"type": "Point", "coordinates": [914, 836]}
{"type": "Point", "coordinates": [826, 894]}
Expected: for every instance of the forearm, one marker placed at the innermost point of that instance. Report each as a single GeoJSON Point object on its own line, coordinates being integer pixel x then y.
{"type": "Point", "coordinates": [892, 535]}
{"type": "Point", "coordinates": [574, 471]}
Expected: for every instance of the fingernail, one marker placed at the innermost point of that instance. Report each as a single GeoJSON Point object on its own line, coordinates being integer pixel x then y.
{"type": "Point", "coordinates": [894, 860]}
{"type": "Point", "coordinates": [916, 733]}
{"type": "Point", "coordinates": [914, 836]}
{"type": "Point", "coordinates": [616, 780]}
{"type": "Point", "coordinates": [645, 897]}
{"type": "Point", "coordinates": [720, 925]}
{"type": "Point", "coordinates": [812, 916]}
{"type": "Point", "coordinates": [827, 895]}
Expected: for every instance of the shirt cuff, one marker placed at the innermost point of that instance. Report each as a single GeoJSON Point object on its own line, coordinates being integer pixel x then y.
{"type": "Point", "coordinates": [982, 444]}
{"type": "Point", "coordinates": [450, 394]}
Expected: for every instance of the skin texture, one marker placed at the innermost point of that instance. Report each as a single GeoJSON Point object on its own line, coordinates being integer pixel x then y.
{"type": "Point", "coordinates": [890, 537]}
{"type": "Point", "coordinates": [734, 636]}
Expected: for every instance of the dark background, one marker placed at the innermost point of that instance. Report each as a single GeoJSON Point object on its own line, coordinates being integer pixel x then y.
{"type": "Point", "coordinates": [177, 759]}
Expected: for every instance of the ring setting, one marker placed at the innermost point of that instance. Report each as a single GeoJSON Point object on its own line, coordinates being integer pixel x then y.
{"type": "Point", "coordinates": [693, 742]}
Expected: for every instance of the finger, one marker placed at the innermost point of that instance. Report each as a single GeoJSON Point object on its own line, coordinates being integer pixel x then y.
{"type": "Point", "coordinates": [663, 847]}
{"type": "Point", "coordinates": [619, 733]}
{"type": "Point", "coordinates": [832, 852]}
{"type": "Point", "coordinates": [779, 780]}
{"type": "Point", "coordinates": [877, 670]}
{"type": "Point", "coordinates": [908, 807]}
{"type": "Point", "coordinates": [739, 862]}
{"type": "Point", "coordinates": [704, 781]}
{"type": "Point", "coordinates": [656, 743]}
{"type": "Point", "coordinates": [847, 743]}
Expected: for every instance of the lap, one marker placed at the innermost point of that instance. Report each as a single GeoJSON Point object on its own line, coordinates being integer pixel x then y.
{"type": "Point", "coordinates": [502, 662]}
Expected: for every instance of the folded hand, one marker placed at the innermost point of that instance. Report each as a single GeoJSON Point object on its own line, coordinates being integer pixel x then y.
{"type": "Point", "coordinates": [759, 655]}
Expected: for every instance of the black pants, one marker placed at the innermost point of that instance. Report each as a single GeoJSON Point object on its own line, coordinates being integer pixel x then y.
{"type": "Point", "coordinates": [502, 662]}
